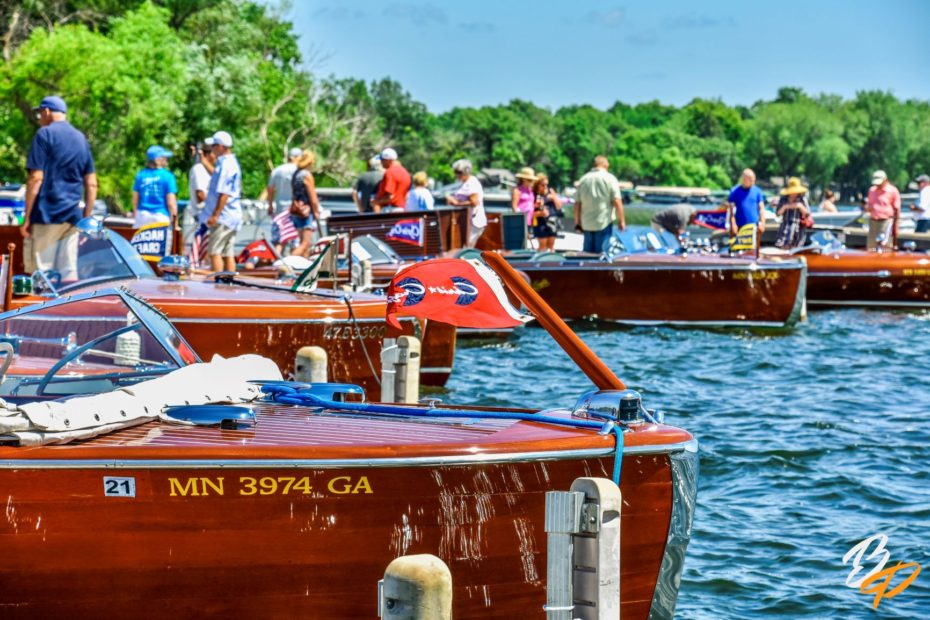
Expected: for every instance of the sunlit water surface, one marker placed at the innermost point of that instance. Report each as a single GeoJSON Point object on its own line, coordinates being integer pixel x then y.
{"type": "Point", "coordinates": [811, 441]}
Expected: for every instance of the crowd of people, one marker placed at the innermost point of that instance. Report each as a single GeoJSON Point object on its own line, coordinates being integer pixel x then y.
{"type": "Point", "coordinates": [746, 205]}
{"type": "Point", "coordinates": [61, 175]}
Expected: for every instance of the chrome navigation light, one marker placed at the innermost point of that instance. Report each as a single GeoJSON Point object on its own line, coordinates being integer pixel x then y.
{"type": "Point", "coordinates": [92, 227]}
{"type": "Point", "coordinates": [174, 266]}
{"type": "Point", "coordinates": [623, 406]}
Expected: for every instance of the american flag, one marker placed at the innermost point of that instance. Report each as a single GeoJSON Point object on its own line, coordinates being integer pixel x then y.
{"type": "Point", "coordinates": [286, 230]}
{"type": "Point", "coordinates": [199, 245]}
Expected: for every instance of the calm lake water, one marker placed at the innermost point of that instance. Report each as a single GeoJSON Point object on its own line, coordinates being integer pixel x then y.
{"type": "Point", "coordinates": [811, 441]}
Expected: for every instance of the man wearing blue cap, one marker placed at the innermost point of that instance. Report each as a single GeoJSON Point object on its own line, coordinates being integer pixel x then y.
{"type": "Point", "coordinates": [155, 191]}
{"type": "Point", "coordinates": [61, 173]}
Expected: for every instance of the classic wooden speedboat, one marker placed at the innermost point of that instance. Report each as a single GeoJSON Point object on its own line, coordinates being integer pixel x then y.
{"type": "Point", "coordinates": [294, 505]}
{"type": "Point", "coordinates": [639, 284]}
{"type": "Point", "coordinates": [640, 281]}
{"type": "Point", "coordinates": [644, 289]}
{"type": "Point", "coordinates": [230, 319]}
{"type": "Point", "coordinates": [838, 276]}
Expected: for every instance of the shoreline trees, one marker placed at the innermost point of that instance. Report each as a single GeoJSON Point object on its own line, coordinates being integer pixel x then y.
{"type": "Point", "coordinates": [174, 71]}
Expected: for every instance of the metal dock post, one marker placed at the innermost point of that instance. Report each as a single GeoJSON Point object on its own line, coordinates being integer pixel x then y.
{"type": "Point", "coordinates": [583, 554]}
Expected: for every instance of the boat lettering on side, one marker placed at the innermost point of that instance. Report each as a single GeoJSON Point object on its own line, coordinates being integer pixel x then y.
{"type": "Point", "coordinates": [755, 275]}
{"type": "Point", "coordinates": [206, 486]}
{"type": "Point", "coordinates": [348, 332]}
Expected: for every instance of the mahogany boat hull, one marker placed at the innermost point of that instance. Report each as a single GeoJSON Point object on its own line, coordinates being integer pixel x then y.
{"type": "Point", "coordinates": [858, 278]}
{"type": "Point", "coordinates": [671, 290]}
{"type": "Point", "coordinates": [184, 547]}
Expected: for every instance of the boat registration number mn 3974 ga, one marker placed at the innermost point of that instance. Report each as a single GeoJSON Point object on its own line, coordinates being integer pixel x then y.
{"type": "Point", "coordinates": [211, 486]}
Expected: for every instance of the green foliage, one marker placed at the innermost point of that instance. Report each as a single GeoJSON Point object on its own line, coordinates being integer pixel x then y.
{"type": "Point", "coordinates": [796, 138]}
{"type": "Point", "coordinates": [174, 72]}
{"type": "Point", "coordinates": [123, 92]}
{"type": "Point", "coordinates": [137, 72]}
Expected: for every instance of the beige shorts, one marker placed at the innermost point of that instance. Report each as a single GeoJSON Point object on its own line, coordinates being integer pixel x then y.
{"type": "Point", "coordinates": [222, 241]}
{"type": "Point", "coordinates": [876, 228]}
{"type": "Point", "coordinates": [52, 246]}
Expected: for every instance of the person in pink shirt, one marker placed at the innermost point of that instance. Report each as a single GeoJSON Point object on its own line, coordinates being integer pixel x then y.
{"type": "Point", "coordinates": [883, 206]}
{"type": "Point", "coordinates": [523, 200]}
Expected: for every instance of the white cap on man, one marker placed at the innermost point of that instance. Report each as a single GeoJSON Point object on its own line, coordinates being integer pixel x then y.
{"type": "Point", "coordinates": [879, 177]}
{"type": "Point", "coordinates": [295, 152]}
{"type": "Point", "coordinates": [223, 139]}
{"type": "Point", "coordinates": [389, 153]}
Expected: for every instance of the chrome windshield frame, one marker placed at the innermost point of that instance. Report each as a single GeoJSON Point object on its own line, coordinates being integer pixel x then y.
{"type": "Point", "coordinates": [141, 310]}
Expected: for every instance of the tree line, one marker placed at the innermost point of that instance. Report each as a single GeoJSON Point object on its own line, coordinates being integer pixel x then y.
{"type": "Point", "coordinates": [135, 73]}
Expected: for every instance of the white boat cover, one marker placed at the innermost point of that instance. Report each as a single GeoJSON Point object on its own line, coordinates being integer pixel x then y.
{"type": "Point", "coordinates": [62, 421]}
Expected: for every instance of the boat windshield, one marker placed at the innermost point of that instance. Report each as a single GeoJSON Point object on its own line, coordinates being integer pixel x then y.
{"type": "Point", "coordinates": [102, 257]}
{"type": "Point", "coordinates": [639, 239]}
{"type": "Point", "coordinates": [373, 249]}
{"type": "Point", "coordinates": [86, 344]}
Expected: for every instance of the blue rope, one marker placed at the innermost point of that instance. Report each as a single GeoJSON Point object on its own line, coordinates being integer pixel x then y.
{"type": "Point", "coordinates": [292, 396]}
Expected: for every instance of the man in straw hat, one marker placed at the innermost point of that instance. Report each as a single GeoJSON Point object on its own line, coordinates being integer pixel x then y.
{"type": "Point", "coordinates": [793, 209]}
{"type": "Point", "coordinates": [883, 206]}
{"type": "Point", "coordinates": [596, 202]}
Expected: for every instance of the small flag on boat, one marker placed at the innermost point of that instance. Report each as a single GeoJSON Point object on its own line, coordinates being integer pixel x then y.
{"type": "Point", "coordinates": [464, 293]}
{"type": "Point", "coordinates": [716, 219]}
{"type": "Point", "coordinates": [407, 231]}
{"type": "Point", "coordinates": [199, 245]}
{"type": "Point", "coordinates": [745, 238]}
{"type": "Point", "coordinates": [307, 281]}
{"type": "Point", "coordinates": [259, 251]}
{"type": "Point", "coordinates": [286, 230]}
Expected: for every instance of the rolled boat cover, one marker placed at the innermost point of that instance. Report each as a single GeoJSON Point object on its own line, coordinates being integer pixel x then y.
{"type": "Point", "coordinates": [218, 381]}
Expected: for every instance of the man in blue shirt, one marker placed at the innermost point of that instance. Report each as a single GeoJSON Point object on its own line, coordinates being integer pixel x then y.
{"type": "Point", "coordinates": [222, 212]}
{"type": "Point", "coordinates": [746, 204]}
{"type": "Point", "coordinates": [155, 190]}
{"type": "Point", "coordinates": [60, 172]}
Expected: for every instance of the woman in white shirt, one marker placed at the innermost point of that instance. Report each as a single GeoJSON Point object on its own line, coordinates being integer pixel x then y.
{"type": "Point", "coordinates": [469, 194]}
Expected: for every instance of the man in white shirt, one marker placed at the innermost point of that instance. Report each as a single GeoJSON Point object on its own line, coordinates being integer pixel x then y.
{"type": "Point", "coordinates": [222, 212]}
{"type": "Point", "coordinates": [922, 219]}
{"type": "Point", "coordinates": [279, 183]}
{"type": "Point", "coordinates": [198, 182]}
{"type": "Point", "coordinates": [280, 193]}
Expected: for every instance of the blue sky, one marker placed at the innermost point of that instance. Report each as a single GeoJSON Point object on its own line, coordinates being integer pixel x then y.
{"type": "Point", "coordinates": [484, 52]}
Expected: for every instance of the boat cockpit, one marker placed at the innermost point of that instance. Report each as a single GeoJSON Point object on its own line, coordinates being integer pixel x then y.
{"type": "Point", "coordinates": [87, 343]}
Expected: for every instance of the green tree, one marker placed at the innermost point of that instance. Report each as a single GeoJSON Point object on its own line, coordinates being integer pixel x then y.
{"type": "Point", "coordinates": [123, 92]}
{"type": "Point", "coordinates": [793, 139]}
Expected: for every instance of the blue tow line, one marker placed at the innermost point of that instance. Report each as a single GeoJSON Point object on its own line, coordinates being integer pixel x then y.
{"type": "Point", "coordinates": [293, 396]}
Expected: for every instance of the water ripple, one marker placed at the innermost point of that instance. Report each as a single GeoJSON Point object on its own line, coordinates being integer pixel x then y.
{"type": "Point", "coordinates": [811, 441]}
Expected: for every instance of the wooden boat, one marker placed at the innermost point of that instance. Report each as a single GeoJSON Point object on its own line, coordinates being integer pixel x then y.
{"type": "Point", "coordinates": [230, 319]}
{"type": "Point", "coordinates": [691, 290]}
{"type": "Point", "coordinates": [644, 278]}
{"type": "Point", "coordinates": [293, 510]}
{"type": "Point", "coordinates": [839, 276]}
{"type": "Point", "coordinates": [641, 283]}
